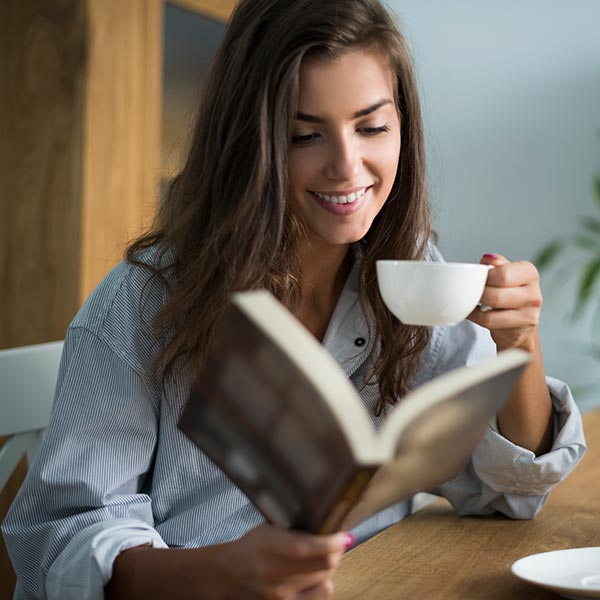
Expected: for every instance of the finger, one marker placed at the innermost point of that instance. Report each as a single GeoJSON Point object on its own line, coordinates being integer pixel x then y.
{"type": "Point", "coordinates": [298, 545]}
{"type": "Point", "coordinates": [506, 319]}
{"type": "Point", "coordinates": [312, 564]}
{"type": "Point", "coordinates": [324, 589]}
{"type": "Point", "coordinates": [512, 297]}
{"type": "Point", "coordinates": [513, 274]}
{"type": "Point", "coordinates": [494, 259]}
{"type": "Point", "coordinates": [294, 586]}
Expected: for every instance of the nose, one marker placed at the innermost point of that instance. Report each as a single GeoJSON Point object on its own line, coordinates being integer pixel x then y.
{"type": "Point", "coordinates": [344, 161]}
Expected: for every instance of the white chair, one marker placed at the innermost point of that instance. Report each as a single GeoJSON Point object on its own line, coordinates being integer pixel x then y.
{"type": "Point", "coordinates": [27, 382]}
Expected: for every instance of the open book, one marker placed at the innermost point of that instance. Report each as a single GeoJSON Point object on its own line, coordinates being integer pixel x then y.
{"type": "Point", "coordinates": [278, 415]}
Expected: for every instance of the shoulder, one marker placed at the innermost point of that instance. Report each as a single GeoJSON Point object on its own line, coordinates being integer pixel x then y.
{"type": "Point", "coordinates": [121, 311]}
{"type": "Point", "coordinates": [130, 293]}
{"type": "Point", "coordinates": [432, 252]}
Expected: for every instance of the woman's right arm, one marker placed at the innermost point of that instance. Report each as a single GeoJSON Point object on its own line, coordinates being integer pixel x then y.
{"type": "Point", "coordinates": [81, 502]}
{"type": "Point", "coordinates": [81, 521]}
{"type": "Point", "coordinates": [268, 562]}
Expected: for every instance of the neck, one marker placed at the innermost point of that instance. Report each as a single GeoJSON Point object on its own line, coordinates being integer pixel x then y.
{"type": "Point", "coordinates": [324, 273]}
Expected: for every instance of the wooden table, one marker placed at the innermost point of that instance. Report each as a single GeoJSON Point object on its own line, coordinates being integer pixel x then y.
{"type": "Point", "coordinates": [437, 554]}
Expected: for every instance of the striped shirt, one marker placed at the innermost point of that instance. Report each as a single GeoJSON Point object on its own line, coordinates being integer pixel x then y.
{"type": "Point", "coordinates": [114, 471]}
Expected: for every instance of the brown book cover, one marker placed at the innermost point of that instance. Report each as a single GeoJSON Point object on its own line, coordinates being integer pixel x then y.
{"type": "Point", "coordinates": [278, 415]}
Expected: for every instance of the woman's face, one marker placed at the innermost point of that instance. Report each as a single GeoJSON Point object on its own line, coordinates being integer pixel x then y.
{"type": "Point", "coordinates": [345, 145]}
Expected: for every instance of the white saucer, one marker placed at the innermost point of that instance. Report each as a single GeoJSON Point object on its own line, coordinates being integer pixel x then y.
{"type": "Point", "coordinates": [573, 573]}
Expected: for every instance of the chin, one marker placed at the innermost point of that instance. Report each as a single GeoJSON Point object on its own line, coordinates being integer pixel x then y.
{"type": "Point", "coordinates": [342, 238]}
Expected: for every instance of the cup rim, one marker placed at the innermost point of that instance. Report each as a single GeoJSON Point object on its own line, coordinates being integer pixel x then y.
{"type": "Point", "coordinates": [433, 264]}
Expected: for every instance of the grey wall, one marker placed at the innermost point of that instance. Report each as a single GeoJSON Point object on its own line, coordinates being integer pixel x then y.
{"type": "Point", "coordinates": [511, 98]}
{"type": "Point", "coordinates": [190, 42]}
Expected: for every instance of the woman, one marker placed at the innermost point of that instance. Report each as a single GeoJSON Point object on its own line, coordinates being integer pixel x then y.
{"type": "Point", "coordinates": [307, 165]}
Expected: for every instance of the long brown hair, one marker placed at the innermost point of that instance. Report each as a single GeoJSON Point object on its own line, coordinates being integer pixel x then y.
{"type": "Point", "coordinates": [225, 224]}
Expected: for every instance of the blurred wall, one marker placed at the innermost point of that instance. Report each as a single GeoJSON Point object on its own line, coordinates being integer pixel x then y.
{"type": "Point", "coordinates": [511, 98]}
{"type": "Point", "coordinates": [190, 42]}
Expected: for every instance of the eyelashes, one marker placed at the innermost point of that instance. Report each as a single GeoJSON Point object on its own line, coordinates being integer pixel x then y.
{"type": "Point", "coordinates": [302, 140]}
{"type": "Point", "coordinates": [305, 140]}
{"type": "Point", "coordinates": [375, 130]}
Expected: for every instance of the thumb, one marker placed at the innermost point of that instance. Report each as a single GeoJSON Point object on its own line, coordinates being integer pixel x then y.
{"type": "Point", "coordinates": [494, 259]}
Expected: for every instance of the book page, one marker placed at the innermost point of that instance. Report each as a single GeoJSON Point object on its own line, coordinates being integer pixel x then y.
{"type": "Point", "coordinates": [436, 443]}
{"type": "Point", "coordinates": [255, 415]}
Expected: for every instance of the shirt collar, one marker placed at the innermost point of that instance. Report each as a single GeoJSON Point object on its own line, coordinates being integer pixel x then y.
{"type": "Point", "coordinates": [347, 336]}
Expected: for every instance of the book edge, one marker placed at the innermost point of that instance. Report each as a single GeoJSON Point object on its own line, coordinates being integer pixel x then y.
{"type": "Point", "coordinates": [311, 358]}
{"type": "Point", "coordinates": [436, 390]}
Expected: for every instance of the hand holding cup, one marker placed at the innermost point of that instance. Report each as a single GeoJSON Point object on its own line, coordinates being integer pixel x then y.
{"type": "Point", "coordinates": [513, 290]}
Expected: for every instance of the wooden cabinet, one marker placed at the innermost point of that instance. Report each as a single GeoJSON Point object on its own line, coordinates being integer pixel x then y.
{"type": "Point", "coordinates": [80, 151]}
{"type": "Point", "coordinates": [80, 147]}
{"type": "Point", "coordinates": [81, 113]}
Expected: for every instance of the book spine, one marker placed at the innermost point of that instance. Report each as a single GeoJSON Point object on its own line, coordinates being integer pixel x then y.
{"type": "Point", "coordinates": [347, 499]}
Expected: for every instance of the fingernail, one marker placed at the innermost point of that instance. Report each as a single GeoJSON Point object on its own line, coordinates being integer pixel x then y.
{"type": "Point", "coordinates": [492, 256]}
{"type": "Point", "coordinates": [350, 540]}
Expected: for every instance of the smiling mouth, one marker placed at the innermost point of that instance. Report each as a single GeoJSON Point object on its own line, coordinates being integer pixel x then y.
{"type": "Point", "coordinates": [342, 198]}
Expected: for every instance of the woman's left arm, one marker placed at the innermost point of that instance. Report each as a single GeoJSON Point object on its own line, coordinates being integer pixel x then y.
{"type": "Point", "coordinates": [513, 292]}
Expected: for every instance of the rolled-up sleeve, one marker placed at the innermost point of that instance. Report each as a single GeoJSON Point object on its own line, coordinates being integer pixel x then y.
{"type": "Point", "coordinates": [507, 478]}
{"type": "Point", "coordinates": [84, 567]}
{"type": "Point", "coordinates": [83, 500]}
{"type": "Point", "coordinates": [501, 476]}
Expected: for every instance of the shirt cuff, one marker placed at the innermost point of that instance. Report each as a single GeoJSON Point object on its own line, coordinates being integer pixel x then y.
{"type": "Point", "coordinates": [510, 469]}
{"type": "Point", "coordinates": [84, 567]}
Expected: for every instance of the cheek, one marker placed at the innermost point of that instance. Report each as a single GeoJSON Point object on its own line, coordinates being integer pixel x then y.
{"type": "Point", "coordinates": [383, 152]}
{"type": "Point", "coordinates": [302, 162]}
{"type": "Point", "coordinates": [393, 158]}
{"type": "Point", "coordinates": [385, 161]}
{"type": "Point", "coordinates": [299, 177]}
{"type": "Point", "coordinates": [299, 172]}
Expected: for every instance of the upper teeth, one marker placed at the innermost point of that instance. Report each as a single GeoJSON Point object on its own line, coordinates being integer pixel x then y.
{"type": "Point", "coordinates": [343, 199]}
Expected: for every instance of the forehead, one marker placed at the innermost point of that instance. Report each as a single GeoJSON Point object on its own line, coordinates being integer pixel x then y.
{"type": "Point", "coordinates": [354, 79]}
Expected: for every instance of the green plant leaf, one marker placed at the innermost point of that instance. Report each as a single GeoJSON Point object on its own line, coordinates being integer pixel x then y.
{"type": "Point", "coordinates": [597, 190]}
{"type": "Point", "coordinates": [586, 243]}
{"type": "Point", "coordinates": [591, 352]}
{"type": "Point", "coordinates": [596, 329]}
{"type": "Point", "coordinates": [548, 253]}
{"type": "Point", "coordinates": [589, 274]}
{"type": "Point", "coordinates": [591, 224]}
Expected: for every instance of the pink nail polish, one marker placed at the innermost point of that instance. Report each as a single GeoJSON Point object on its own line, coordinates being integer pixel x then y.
{"type": "Point", "coordinates": [492, 256]}
{"type": "Point", "coordinates": [350, 540]}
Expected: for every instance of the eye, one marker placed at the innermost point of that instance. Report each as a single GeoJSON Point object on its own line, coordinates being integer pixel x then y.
{"type": "Point", "coordinates": [374, 130]}
{"type": "Point", "coordinates": [303, 140]}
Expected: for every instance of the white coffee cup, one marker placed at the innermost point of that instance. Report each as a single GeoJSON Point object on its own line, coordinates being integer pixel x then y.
{"type": "Point", "coordinates": [431, 293]}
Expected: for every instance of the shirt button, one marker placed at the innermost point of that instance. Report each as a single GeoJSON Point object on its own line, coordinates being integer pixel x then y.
{"type": "Point", "coordinates": [360, 341]}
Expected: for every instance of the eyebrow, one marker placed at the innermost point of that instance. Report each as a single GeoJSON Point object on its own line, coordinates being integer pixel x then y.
{"type": "Point", "coordinates": [363, 112]}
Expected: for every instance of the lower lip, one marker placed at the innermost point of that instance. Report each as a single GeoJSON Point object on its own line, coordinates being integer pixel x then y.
{"type": "Point", "coordinates": [342, 210]}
